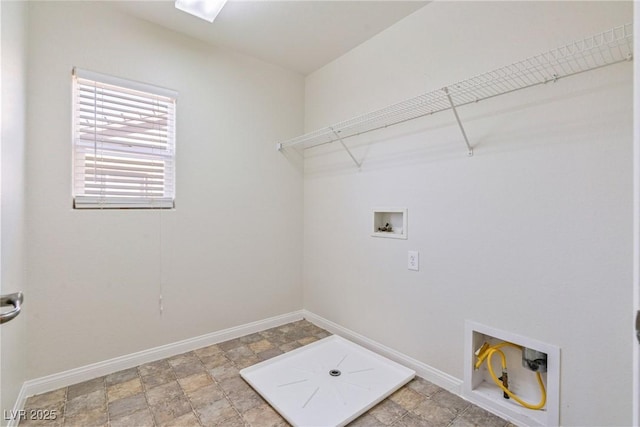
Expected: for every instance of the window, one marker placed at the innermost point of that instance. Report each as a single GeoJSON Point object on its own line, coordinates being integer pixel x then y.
{"type": "Point", "coordinates": [123, 143]}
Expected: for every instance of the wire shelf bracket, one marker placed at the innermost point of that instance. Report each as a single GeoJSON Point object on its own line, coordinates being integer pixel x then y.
{"type": "Point", "coordinates": [359, 164]}
{"type": "Point", "coordinates": [597, 51]}
{"type": "Point", "coordinates": [455, 113]}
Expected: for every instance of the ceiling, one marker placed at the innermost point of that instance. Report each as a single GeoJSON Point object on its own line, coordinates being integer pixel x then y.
{"type": "Point", "coordinates": [299, 35]}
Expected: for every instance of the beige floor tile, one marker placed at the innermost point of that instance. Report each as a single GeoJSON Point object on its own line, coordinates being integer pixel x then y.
{"type": "Point", "coordinates": [413, 420]}
{"type": "Point", "coordinates": [243, 402]}
{"type": "Point", "coordinates": [96, 417]}
{"type": "Point", "coordinates": [478, 417]}
{"type": "Point", "coordinates": [166, 412]}
{"type": "Point", "coordinates": [215, 412]}
{"type": "Point", "coordinates": [86, 387]}
{"type": "Point", "coordinates": [407, 398]}
{"type": "Point", "coordinates": [283, 329]}
{"type": "Point", "coordinates": [45, 400]}
{"type": "Point", "coordinates": [241, 395]}
{"type": "Point", "coordinates": [141, 418]}
{"type": "Point", "coordinates": [231, 344]}
{"type": "Point", "coordinates": [423, 387]}
{"type": "Point", "coordinates": [388, 412]}
{"type": "Point", "coordinates": [183, 359]}
{"type": "Point", "coordinates": [154, 368]}
{"type": "Point", "coordinates": [189, 369]}
{"type": "Point", "coordinates": [235, 421]}
{"type": "Point", "coordinates": [186, 365]}
{"type": "Point", "coordinates": [239, 352]}
{"type": "Point", "coordinates": [434, 414]}
{"type": "Point", "coordinates": [290, 346]}
{"type": "Point", "coordinates": [124, 389]}
{"type": "Point", "coordinates": [295, 335]}
{"type": "Point", "coordinates": [366, 420]}
{"type": "Point", "coordinates": [263, 416]}
{"type": "Point", "coordinates": [323, 334]}
{"type": "Point", "coordinates": [214, 360]}
{"type": "Point", "coordinates": [251, 338]}
{"type": "Point", "coordinates": [40, 423]}
{"type": "Point", "coordinates": [307, 340]}
{"type": "Point", "coordinates": [234, 385]}
{"type": "Point", "coordinates": [121, 376]}
{"type": "Point", "coordinates": [223, 372]}
{"type": "Point", "coordinates": [245, 362]}
{"type": "Point", "coordinates": [313, 329]}
{"type": "Point", "coordinates": [194, 382]}
{"type": "Point", "coordinates": [205, 396]}
{"type": "Point", "coordinates": [275, 338]}
{"type": "Point", "coordinates": [208, 351]}
{"type": "Point", "coordinates": [260, 346]}
{"type": "Point", "coordinates": [160, 378]}
{"type": "Point", "coordinates": [450, 401]}
{"type": "Point", "coordinates": [156, 373]}
{"type": "Point", "coordinates": [127, 406]}
{"type": "Point", "coordinates": [86, 402]}
{"type": "Point", "coordinates": [187, 420]}
{"type": "Point", "coordinates": [164, 393]}
{"type": "Point", "coordinates": [268, 354]}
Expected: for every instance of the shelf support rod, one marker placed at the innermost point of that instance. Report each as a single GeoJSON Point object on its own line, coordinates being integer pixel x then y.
{"type": "Point", "coordinates": [455, 113]}
{"type": "Point", "coordinates": [346, 148]}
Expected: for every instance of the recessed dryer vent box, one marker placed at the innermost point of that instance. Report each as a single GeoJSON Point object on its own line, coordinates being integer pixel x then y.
{"type": "Point", "coordinates": [390, 223]}
{"type": "Point", "coordinates": [479, 387]}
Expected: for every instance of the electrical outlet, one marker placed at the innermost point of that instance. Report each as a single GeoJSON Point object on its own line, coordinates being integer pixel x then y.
{"type": "Point", "coordinates": [414, 261]}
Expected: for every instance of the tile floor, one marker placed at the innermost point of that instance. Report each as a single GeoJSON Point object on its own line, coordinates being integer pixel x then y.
{"type": "Point", "coordinates": [204, 388]}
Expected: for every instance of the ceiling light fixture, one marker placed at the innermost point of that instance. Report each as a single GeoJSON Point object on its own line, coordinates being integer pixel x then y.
{"type": "Point", "coordinates": [205, 9]}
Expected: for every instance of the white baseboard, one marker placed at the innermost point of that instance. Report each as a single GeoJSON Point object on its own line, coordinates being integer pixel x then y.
{"type": "Point", "coordinates": [439, 378]}
{"type": "Point", "coordinates": [19, 405]}
{"type": "Point", "coordinates": [85, 373]}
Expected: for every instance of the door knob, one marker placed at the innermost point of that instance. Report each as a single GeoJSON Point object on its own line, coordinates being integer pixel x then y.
{"type": "Point", "coordinates": [14, 300]}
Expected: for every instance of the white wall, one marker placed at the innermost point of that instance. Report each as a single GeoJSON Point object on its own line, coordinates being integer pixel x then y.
{"type": "Point", "coordinates": [532, 235]}
{"type": "Point", "coordinates": [229, 254]}
{"type": "Point", "coordinates": [14, 64]}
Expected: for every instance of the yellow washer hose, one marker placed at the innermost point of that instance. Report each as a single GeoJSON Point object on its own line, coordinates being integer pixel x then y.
{"type": "Point", "coordinates": [486, 351]}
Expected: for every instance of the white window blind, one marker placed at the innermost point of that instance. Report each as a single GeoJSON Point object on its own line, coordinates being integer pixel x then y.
{"type": "Point", "coordinates": [123, 143]}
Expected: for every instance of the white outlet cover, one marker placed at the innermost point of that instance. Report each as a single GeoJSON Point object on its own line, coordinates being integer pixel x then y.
{"type": "Point", "coordinates": [414, 260]}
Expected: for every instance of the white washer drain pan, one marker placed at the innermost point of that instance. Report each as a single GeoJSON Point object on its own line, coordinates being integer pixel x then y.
{"type": "Point", "coordinates": [327, 383]}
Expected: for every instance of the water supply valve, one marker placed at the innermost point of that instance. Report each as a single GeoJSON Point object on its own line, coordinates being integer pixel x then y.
{"type": "Point", "coordinates": [534, 360]}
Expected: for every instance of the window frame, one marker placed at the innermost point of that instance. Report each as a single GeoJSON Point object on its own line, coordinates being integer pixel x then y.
{"type": "Point", "coordinates": [131, 170]}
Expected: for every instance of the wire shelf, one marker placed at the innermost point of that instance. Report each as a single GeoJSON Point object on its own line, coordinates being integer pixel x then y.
{"type": "Point", "coordinates": [597, 51]}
